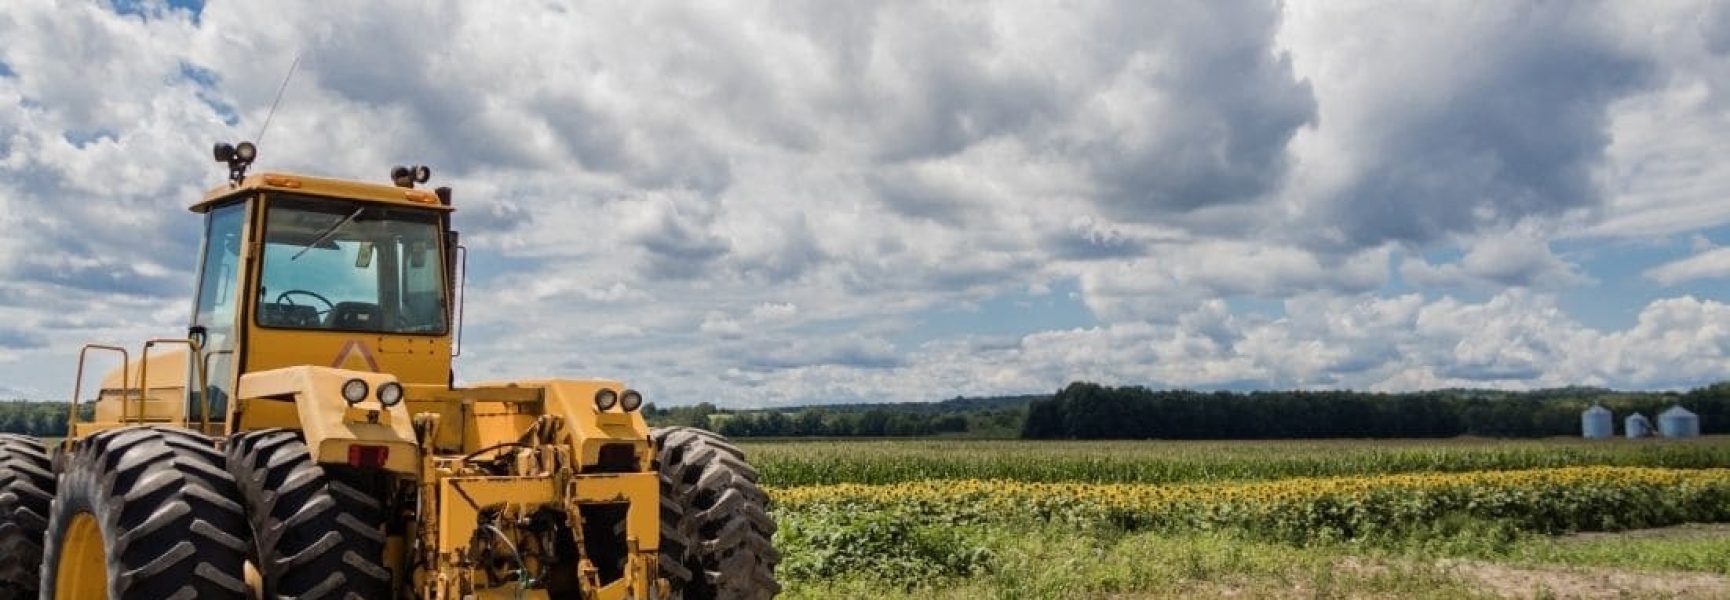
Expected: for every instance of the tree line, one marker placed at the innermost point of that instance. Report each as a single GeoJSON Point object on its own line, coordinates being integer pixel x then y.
{"type": "Point", "coordinates": [40, 419]}
{"type": "Point", "coordinates": [1091, 411]}
{"type": "Point", "coordinates": [999, 417]}
{"type": "Point", "coordinates": [1085, 410]}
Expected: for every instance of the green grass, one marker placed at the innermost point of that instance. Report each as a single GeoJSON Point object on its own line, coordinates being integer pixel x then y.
{"type": "Point", "coordinates": [796, 463]}
{"type": "Point", "coordinates": [1047, 561]}
{"type": "Point", "coordinates": [1038, 561]}
{"type": "Point", "coordinates": [1693, 548]}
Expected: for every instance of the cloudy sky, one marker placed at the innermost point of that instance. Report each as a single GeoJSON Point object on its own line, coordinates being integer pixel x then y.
{"type": "Point", "coordinates": [783, 202]}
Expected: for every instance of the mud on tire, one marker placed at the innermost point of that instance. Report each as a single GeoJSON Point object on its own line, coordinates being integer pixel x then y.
{"type": "Point", "coordinates": [726, 539]}
{"type": "Point", "coordinates": [165, 510]}
{"type": "Point", "coordinates": [26, 490]}
{"type": "Point", "coordinates": [319, 529]}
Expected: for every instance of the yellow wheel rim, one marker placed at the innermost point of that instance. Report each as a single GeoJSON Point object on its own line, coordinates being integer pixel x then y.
{"type": "Point", "coordinates": [83, 570]}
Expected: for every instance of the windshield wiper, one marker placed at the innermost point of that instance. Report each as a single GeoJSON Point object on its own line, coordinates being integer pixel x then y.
{"type": "Point", "coordinates": [327, 233]}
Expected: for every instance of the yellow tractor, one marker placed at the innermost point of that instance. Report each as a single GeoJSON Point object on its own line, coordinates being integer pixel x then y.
{"type": "Point", "coordinates": [305, 439]}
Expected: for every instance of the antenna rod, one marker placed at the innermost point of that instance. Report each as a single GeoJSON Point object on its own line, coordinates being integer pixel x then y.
{"type": "Point", "coordinates": [272, 114]}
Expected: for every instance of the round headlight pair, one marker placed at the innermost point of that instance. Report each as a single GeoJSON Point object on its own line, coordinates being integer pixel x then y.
{"type": "Point", "coordinates": [354, 391]}
{"type": "Point", "coordinates": [389, 393]}
{"type": "Point", "coordinates": [606, 399]}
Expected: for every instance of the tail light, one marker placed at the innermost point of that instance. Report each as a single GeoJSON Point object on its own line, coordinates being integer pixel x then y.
{"type": "Point", "coordinates": [361, 457]}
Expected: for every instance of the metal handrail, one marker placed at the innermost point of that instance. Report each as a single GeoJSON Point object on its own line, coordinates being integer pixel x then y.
{"type": "Point", "coordinates": [78, 384]}
{"type": "Point", "coordinates": [144, 376]}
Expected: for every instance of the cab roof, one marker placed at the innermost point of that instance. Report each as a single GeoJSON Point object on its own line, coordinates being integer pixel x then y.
{"type": "Point", "coordinates": [383, 193]}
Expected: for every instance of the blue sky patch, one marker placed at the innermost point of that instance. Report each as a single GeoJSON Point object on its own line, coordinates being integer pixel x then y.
{"type": "Point", "coordinates": [205, 78]}
{"type": "Point", "coordinates": [82, 138]}
{"type": "Point", "coordinates": [1623, 289]}
{"type": "Point", "coordinates": [222, 109]}
{"type": "Point", "coordinates": [153, 8]}
{"type": "Point", "coordinates": [1017, 313]}
{"type": "Point", "coordinates": [1396, 284]}
{"type": "Point", "coordinates": [1272, 308]}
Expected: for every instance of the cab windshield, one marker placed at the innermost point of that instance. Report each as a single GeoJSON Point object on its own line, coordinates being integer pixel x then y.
{"type": "Point", "coordinates": [351, 266]}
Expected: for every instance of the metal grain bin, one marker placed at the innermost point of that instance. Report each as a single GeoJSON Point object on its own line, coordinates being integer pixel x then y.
{"type": "Point", "coordinates": [1595, 423]}
{"type": "Point", "coordinates": [1678, 422]}
{"type": "Point", "coordinates": [1637, 426]}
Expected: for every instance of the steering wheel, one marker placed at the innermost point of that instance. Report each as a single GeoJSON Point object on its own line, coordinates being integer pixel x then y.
{"type": "Point", "coordinates": [283, 298]}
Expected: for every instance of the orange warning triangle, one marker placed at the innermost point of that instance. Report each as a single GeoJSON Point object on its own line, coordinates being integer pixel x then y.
{"type": "Point", "coordinates": [349, 350]}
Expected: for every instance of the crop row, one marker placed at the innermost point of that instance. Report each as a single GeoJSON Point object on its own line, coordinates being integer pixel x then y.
{"type": "Point", "coordinates": [1301, 509]}
{"type": "Point", "coordinates": [789, 464]}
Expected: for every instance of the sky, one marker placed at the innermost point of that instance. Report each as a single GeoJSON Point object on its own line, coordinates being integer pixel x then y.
{"type": "Point", "coordinates": [771, 203]}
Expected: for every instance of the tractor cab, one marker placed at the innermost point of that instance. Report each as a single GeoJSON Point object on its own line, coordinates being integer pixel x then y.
{"type": "Point", "coordinates": [299, 270]}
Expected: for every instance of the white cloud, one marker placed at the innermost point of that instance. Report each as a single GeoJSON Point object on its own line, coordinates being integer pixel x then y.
{"type": "Point", "coordinates": [760, 203]}
{"type": "Point", "coordinates": [1443, 118]}
{"type": "Point", "coordinates": [1174, 279]}
{"type": "Point", "coordinates": [719, 324]}
{"type": "Point", "coordinates": [1519, 257]}
{"type": "Point", "coordinates": [1708, 264]}
{"type": "Point", "coordinates": [1667, 165]}
{"type": "Point", "coordinates": [774, 311]}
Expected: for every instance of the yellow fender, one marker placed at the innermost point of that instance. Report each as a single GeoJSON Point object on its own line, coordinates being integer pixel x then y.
{"type": "Point", "coordinates": [310, 399]}
{"type": "Point", "coordinates": [588, 427]}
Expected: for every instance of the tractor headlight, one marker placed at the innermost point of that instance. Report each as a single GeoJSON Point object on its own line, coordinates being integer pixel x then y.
{"type": "Point", "coordinates": [389, 393]}
{"type": "Point", "coordinates": [630, 400]}
{"type": "Point", "coordinates": [605, 399]}
{"type": "Point", "coordinates": [354, 390]}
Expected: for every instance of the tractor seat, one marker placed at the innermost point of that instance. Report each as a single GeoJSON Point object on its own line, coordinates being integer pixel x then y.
{"type": "Point", "coordinates": [357, 316]}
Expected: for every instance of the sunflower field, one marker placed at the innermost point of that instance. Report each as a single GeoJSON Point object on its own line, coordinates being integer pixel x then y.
{"type": "Point", "coordinates": [929, 510]}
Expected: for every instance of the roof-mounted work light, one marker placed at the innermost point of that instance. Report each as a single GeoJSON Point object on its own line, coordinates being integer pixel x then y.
{"type": "Point", "coordinates": [238, 157]}
{"type": "Point", "coordinates": [408, 176]}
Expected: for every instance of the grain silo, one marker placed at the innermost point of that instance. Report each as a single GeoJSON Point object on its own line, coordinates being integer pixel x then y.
{"type": "Point", "coordinates": [1595, 423]}
{"type": "Point", "coordinates": [1678, 422]}
{"type": "Point", "coordinates": [1637, 426]}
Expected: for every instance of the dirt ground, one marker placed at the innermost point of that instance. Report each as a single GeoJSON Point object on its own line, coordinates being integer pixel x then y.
{"type": "Point", "coordinates": [1508, 581]}
{"type": "Point", "coordinates": [1522, 582]}
{"type": "Point", "coordinates": [1691, 531]}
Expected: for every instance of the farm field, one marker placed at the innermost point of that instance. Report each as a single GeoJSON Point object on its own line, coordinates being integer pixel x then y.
{"type": "Point", "coordinates": [1396, 519]}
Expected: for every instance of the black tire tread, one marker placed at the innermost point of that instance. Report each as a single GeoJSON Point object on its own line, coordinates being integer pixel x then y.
{"type": "Point", "coordinates": [729, 549]}
{"type": "Point", "coordinates": [319, 530]}
{"type": "Point", "coordinates": [166, 508]}
{"type": "Point", "coordinates": [674, 543]}
{"type": "Point", "coordinates": [26, 491]}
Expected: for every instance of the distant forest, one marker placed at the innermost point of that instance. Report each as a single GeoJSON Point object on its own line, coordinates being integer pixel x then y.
{"type": "Point", "coordinates": [1091, 411]}
{"type": "Point", "coordinates": [40, 419]}
{"type": "Point", "coordinates": [998, 417]}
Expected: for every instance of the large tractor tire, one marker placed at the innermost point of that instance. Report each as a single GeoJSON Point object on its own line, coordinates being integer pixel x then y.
{"type": "Point", "coordinates": [26, 490]}
{"type": "Point", "coordinates": [145, 513]}
{"type": "Point", "coordinates": [319, 529]}
{"type": "Point", "coordinates": [728, 550]}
